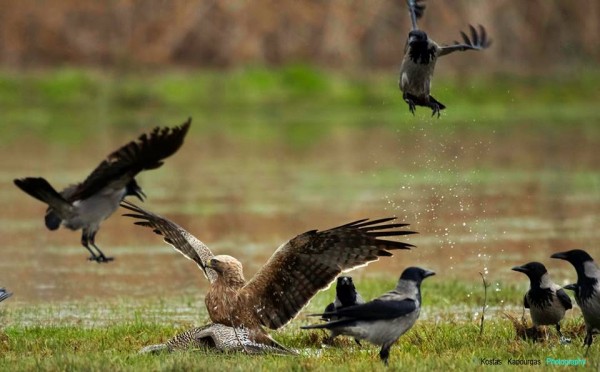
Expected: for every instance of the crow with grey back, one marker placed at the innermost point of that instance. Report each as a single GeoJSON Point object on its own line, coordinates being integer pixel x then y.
{"type": "Point", "coordinates": [587, 289]}
{"type": "Point", "coordinates": [547, 302]}
{"type": "Point", "coordinates": [383, 320]}
{"type": "Point", "coordinates": [85, 205]}
{"type": "Point", "coordinates": [421, 54]}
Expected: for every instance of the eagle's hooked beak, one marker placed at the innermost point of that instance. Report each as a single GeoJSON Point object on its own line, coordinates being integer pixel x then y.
{"type": "Point", "coordinates": [212, 264]}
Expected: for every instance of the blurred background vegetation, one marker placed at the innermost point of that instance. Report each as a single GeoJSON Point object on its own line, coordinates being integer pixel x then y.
{"type": "Point", "coordinates": [531, 37]}
{"type": "Point", "coordinates": [298, 124]}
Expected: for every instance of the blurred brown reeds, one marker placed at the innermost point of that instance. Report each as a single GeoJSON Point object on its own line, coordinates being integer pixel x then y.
{"type": "Point", "coordinates": [531, 35]}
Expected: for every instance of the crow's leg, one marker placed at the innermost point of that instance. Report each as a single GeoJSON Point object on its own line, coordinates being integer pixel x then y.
{"type": "Point", "coordinates": [101, 258]}
{"type": "Point", "coordinates": [85, 243]}
{"type": "Point", "coordinates": [436, 106]}
{"type": "Point", "coordinates": [410, 100]}
{"type": "Point", "coordinates": [588, 340]}
{"type": "Point", "coordinates": [563, 339]}
{"type": "Point", "coordinates": [384, 354]}
{"type": "Point", "coordinates": [358, 342]}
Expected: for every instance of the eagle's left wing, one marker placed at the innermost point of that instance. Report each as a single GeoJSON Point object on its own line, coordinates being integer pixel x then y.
{"type": "Point", "coordinates": [175, 235]}
{"type": "Point", "coordinates": [311, 262]}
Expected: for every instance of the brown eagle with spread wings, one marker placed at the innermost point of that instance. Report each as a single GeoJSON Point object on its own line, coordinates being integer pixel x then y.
{"type": "Point", "coordinates": [293, 275]}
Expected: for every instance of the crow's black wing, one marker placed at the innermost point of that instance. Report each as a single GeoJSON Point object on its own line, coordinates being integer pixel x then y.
{"type": "Point", "coordinates": [478, 41]}
{"type": "Point", "coordinates": [122, 165]}
{"type": "Point", "coordinates": [564, 299]}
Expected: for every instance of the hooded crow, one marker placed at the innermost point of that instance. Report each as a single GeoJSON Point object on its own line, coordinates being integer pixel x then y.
{"type": "Point", "coordinates": [345, 296]}
{"type": "Point", "coordinates": [587, 289]}
{"type": "Point", "coordinates": [421, 54]}
{"type": "Point", "coordinates": [547, 302]}
{"type": "Point", "coordinates": [4, 294]}
{"type": "Point", "coordinates": [85, 205]}
{"type": "Point", "coordinates": [386, 318]}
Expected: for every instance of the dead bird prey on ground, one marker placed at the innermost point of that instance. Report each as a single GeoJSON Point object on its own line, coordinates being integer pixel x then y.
{"type": "Point", "coordinates": [547, 302]}
{"type": "Point", "coordinates": [386, 318]}
{"type": "Point", "coordinates": [296, 271]}
{"type": "Point", "coordinates": [85, 205]}
{"type": "Point", "coordinates": [220, 338]}
{"type": "Point", "coordinates": [421, 54]}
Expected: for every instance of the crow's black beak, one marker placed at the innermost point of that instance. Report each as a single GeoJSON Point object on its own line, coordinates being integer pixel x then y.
{"type": "Point", "coordinates": [560, 256]}
{"type": "Point", "coordinates": [571, 287]}
{"type": "Point", "coordinates": [428, 273]}
{"type": "Point", "coordinates": [520, 269]}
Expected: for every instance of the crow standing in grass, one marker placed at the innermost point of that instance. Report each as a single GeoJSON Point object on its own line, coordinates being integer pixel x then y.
{"type": "Point", "coordinates": [587, 289]}
{"type": "Point", "coordinates": [547, 302]}
{"type": "Point", "coordinates": [386, 318]}
{"type": "Point", "coordinates": [4, 294]}
{"type": "Point", "coordinates": [421, 54]}
{"type": "Point", "coordinates": [345, 296]}
{"type": "Point", "coordinates": [85, 205]}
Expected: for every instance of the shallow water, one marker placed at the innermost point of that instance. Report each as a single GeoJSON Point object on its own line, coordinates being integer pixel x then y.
{"type": "Point", "coordinates": [482, 200]}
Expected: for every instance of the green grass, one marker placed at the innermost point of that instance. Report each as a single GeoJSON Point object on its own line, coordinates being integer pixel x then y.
{"type": "Point", "coordinates": [295, 104]}
{"type": "Point", "coordinates": [447, 336]}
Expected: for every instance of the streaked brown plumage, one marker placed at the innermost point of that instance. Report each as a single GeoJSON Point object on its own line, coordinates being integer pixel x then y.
{"type": "Point", "coordinates": [293, 275]}
{"type": "Point", "coordinates": [221, 338]}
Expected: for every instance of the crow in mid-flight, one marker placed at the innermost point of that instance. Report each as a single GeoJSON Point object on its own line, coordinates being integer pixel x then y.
{"type": "Point", "coordinates": [421, 54]}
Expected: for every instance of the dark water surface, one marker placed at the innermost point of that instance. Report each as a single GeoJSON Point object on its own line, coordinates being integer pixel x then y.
{"type": "Point", "coordinates": [482, 199]}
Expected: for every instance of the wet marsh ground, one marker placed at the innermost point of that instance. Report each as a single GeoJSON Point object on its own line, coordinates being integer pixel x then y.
{"type": "Point", "coordinates": [509, 174]}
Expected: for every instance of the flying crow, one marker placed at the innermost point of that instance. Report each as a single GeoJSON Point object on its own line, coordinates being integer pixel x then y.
{"type": "Point", "coordinates": [421, 54]}
{"type": "Point", "coordinates": [85, 205]}
{"type": "Point", "coordinates": [587, 289]}
{"type": "Point", "coordinates": [547, 302]}
{"type": "Point", "coordinates": [386, 318]}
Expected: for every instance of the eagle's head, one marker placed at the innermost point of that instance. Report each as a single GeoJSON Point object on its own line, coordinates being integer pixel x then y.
{"type": "Point", "coordinates": [227, 267]}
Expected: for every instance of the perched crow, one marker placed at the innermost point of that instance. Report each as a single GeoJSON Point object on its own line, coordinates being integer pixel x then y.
{"type": "Point", "coordinates": [345, 295]}
{"type": "Point", "coordinates": [546, 301]}
{"type": "Point", "coordinates": [85, 205]}
{"type": "Point", "coordinates": [420, 56]}
{"type": "Point", "coordinates": [4, 294]}
{"type": "Point", "coordinates": [386, 318]}
{"type": "Point", "coordinates": [587, 289]}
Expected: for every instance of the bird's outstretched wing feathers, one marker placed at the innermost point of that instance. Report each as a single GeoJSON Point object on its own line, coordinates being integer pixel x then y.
{"type": "Point", "coordinates": [416, 9]}
{"type": "Point", "coordinates": [311, 262]}
{"type": "Point", "coordinates": [477, 41]}
{"type": "Point", "coordinates": [147, 152]}
{"type": "Point", "coordinates": [184, 242]}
